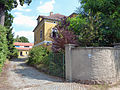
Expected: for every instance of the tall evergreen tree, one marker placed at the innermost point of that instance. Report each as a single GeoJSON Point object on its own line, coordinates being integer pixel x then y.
{"type": "Point", "coordinates": [12, 52]}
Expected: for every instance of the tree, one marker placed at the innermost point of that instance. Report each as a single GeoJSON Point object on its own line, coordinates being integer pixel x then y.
{"type": "Point", "coordinates": [8, 5]}
{"type": "Point", "coordinates": [21, 39]}
{"type": "Point", "coordinates": [87, 29]}
{"type": "Point", "coordinates": [12, 52]}
{"type": "Point", "coordinates": [107, 26]}
{"type": "Point", "coordinates": [8, 20]}
{"type": "Point", "coordinates": [17, 39]}
{"type": "Point", "coordinates": [24, 39]}
{"type": "Point", "coordinates": [64, 36]}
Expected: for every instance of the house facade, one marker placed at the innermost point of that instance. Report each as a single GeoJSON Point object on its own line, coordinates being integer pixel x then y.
{"type": "Point", "coordinates": [23, 48]}
{"type": "Point", "coordinates": [45, 28]}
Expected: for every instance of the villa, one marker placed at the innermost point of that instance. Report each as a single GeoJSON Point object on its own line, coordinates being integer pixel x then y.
{"type": "Point", "coordinates": [23, 48]}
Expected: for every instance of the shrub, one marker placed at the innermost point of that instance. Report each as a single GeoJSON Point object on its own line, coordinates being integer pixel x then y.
{"type": "Point", "coordinates": [64, 36]}
{"type": "Point", "coordinates": [57, 64]}
{"type": "Point", "coordinates": [12, 54]}
{"type": "Point", "coordinates": [3, 46]}
{"type": "Point", "coordinates": [38, 55]}
{"type": "Point", "coordinates": [49, 62]}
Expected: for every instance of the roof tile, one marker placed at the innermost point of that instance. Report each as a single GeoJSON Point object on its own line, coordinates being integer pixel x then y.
{"type": "Point", "coordinates": [23, 44]}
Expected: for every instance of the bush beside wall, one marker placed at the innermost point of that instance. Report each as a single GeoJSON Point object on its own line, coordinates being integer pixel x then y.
{"type": "Point", "coordinates": [46, 61]}
{"type": "Point", "coordinates": [38, 55]}
{"type": "Point", "coordinates": [3, 46]}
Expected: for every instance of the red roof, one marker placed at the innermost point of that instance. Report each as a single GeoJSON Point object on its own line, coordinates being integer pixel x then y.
{"type": "Point", "coordinates": [54, 16]}
{"type": "Point", "coordinates": [21, 48]}
{"type": "Point", "coordinates": [23, 44]}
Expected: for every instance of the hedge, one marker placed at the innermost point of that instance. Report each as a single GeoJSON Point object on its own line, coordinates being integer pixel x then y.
{"type": "Point", "coordinates": [3, 46]}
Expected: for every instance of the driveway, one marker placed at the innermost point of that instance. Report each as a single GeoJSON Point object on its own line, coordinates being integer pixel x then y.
{"type": "Point", "coordinates": [23, 77]}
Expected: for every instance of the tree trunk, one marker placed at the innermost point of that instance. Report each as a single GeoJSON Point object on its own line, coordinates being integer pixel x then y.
{"type": "Point", "coordinates": [2, 14]}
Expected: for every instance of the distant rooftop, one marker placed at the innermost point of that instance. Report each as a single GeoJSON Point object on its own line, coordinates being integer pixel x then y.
{"type": "Point", "coordinates": [56, 16]}
{"type": "Point", "coordinates": [23, 44]}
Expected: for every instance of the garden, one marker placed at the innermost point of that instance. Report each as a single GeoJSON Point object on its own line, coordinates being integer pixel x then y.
{"type": "Point", "coordinates": [47, 61]}
{"type": "Point", "coordinates": [97, 24]}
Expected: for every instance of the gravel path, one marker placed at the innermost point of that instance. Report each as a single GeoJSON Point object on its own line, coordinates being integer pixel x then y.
{"type": "Point", "coordinates": [23, 77]}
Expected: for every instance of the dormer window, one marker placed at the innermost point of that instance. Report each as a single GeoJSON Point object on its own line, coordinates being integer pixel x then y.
{"type": "Point", "coordinates": [54, 32]}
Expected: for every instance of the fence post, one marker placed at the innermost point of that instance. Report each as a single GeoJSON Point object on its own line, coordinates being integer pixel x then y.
{"type": "Point", "coordinates": [68, 61]}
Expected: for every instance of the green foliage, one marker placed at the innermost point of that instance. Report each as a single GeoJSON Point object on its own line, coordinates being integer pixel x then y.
{"type": "Point", "coordinates": [98, 23]}
{"type": "Point", "coordinates": [10, 4]}
{"type": "Point", "coordinates": [24, 39]}
{"type": "Point", "coordinates": [38, 55]}
{"type": "Point", "coordinates": [12, 52]}
{"type": "Point", "coordinates": [57, 64]}
{"type": "Point", "coordinates": [21, 39]}
{"type": "Point", "coordinates": [17, 39]}
{"type": "Point", "coordinates": [3, 46]}
{"type": "Point", "coordinates": [87, 29]}
{"type": "Point", "coordinates": [8, 20]}
{"type": "Point", "coordinates": [49, 62]}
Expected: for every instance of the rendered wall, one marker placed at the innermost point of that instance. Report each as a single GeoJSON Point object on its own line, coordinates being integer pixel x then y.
{"type": "Point", "coordinates": [98, 64]}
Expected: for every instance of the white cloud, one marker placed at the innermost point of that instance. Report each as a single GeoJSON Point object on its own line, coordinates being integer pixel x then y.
{"type": "Point", "coordinates": [46, 7]}
{"type": "Point", "coordinates": [41, 2]}
{"type": "Point", "coordinates": [22, 20]}
{"type": "Point", "coordinates": [18, 13]}
{"type": "Point", "coordinates": [27, 34]}
{"type": "Point", "coordinates": [28, 10]}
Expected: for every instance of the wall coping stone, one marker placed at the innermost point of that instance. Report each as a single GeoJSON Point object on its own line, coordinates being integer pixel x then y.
{"type": "Point", "coordinates": [111, 48]}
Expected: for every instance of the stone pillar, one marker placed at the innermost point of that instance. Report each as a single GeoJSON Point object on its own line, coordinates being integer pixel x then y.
{"type": "Point", "coordinates": [117, 60]}
{"type": "Point", "coordinates": [68, 61]}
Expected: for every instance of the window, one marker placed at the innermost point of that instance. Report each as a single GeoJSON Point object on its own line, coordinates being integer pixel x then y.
{"type": "Point", "coordinates": [17, 46]}
{"type": "Point", "coordinates": [48, 43]}
{"type": "Point", "coordinates": [54, 22]}
{"type": "Point", "coordinates": [35, 38]}
{"type": "Point", "coordinates": [26, 46]}
{"type": "Point", "coordinates": [54, 32]}
{"type": "Point", "coordinates": [41, 35]}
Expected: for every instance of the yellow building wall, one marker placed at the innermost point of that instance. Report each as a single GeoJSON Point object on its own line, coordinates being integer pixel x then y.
{"type": "Point", "coordinates": [46, 27]}
{"type": "Point", "coordinates": [37, 33]}
{"type": "Point", "coordinates": [24, 52]}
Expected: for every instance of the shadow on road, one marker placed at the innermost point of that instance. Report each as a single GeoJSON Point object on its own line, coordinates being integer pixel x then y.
{"type": "Point", "coordinates": [26, 71]}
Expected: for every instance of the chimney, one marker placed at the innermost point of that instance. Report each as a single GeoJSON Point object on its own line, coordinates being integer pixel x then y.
{"type": "Point", "coordinates": [51, 13]}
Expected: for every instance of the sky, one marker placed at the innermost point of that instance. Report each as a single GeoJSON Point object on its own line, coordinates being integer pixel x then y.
{"type": "Point", "coordinates": [25, 16]}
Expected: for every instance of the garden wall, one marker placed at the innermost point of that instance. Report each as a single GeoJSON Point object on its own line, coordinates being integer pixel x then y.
{"type": "Point", "coordinates": [100, 64]}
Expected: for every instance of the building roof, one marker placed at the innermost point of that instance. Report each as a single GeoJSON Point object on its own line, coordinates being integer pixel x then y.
{"type": "Point", "coordinates": [21, 48]}
{"type": "Point", "coordinates": [23, 44]}
{"type": "Point", "coordinates": [73, 15]}
{"type": "Point", "coordinates": [53, 16]}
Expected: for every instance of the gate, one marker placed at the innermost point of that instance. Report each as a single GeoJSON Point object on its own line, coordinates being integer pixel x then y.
{"type": "Point", "coordinates": [57, 64]}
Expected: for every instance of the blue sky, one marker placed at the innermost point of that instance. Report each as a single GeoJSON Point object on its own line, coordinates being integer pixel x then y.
{"type": "Point", "coordinates": [25, 16]}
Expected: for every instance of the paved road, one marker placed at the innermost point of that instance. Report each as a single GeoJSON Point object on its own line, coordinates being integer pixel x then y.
{"type": "Point", "coordinates": [23, 77]}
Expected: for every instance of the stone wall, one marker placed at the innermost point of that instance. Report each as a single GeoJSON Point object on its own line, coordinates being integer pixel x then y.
{"type": "Point", "coordinates": [100, 64]}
